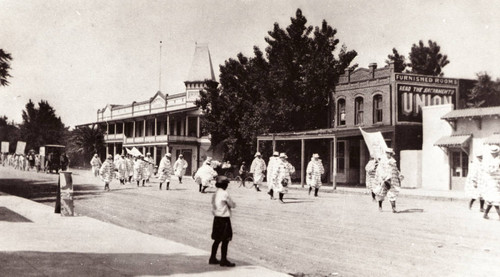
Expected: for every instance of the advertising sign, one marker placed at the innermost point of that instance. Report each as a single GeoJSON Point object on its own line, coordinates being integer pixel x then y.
{"type": "Point", "coordinates": [21, 145]}
{"type": "Point", "coordinates": [42, 151]}
{"type": "Point", "coordinates": [411, 99]}
{"type": "Point", "coordinates": [5, 147]}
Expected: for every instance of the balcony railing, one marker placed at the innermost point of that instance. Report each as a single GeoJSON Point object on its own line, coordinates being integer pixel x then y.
{"type": "Point", "coordinates": [114, 137]}
{"type": "Point", "coordinates": [148, 139]}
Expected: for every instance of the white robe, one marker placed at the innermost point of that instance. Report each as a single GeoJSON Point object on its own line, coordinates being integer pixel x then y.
{"type": "Point", "coordinates": [258, 168]}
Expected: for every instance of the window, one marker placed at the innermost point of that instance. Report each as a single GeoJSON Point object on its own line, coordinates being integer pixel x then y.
{"type": "Point", "coordinates": [358, 110]}
{"type": "Point", "coordinates": [377, 108]}
{"type": "Point", "coordinates": [341, 157]}
{"type": "Point", "coordinates": [459, 163]}
{"type": "Point", "coordinates": [341, 112]}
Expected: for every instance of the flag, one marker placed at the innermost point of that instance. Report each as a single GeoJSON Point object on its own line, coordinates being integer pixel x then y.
{"type": "Point", "coordinates": [375, 143]}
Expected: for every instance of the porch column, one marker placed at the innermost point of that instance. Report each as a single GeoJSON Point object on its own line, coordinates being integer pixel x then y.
{"type": "Point", "coordinates": [123, 128]}
{"type": "Point", "coordinates": [114, 150]}
{"type": "Point", "coordinates": [154, 154]}
{"type": "Point", "coordinates": [186, 132]}
{"type": "Point", "coordinates": [302, 153]}
{"type": "Point", "coordinates": [107, 150]}
{"type": "Point", "coordinates": [334, 163]}
{"type": "Point", "coordinates": [144, 130]}
{"type": "Point", "coordinates": [274, 143]}
{"type": "Point", "coordinates": [257, 145]}
{"type": "Point", "coordinates": [156, 125]}
{"type": "Point", "coordinates": [133, 129]}
{"type": "Point", "coordinates": [168, 126]}
{"type": "Point", "coordinates": [198, 127]}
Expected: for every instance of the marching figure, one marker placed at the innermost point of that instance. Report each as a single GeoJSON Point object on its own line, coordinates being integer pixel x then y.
{"type": "Point", "coordinates": [180, 167]}
{"type": "Point", "coordinates": [282, 178]}
{"type": "Point", "coordinates": [130, 168]}
{"type": "Point", "coordinates": [371, 177]}
{"type": "Point", "coordinates": [204, 175]}
{"type": "Point", "coordinates": [274, 160]}
{"type": "Point", "coordinates": [257, 168]}
{"type": "Point", "coordinates": [222, 231]}
{"type": "Point", "coordinates": [474, 184]}
{"type": "Point", "coordinates": [165, 170]}
{"type": "Point", "coordinates": [389, 180]}
{"type": "Point", "coordinates": [107, 170]}
{"type": "Point", "coordinates": [139, 170]}
{"type": "Point", "coordinates": [121, 165]}
{"type": "Point", "coordinates": [96, 164]}
{"type": "Point", "coordinates": [492, 181]}
{"type": "Point", "coordinates": [148, 167]}
{"type": "Point", "coordinates": [314, 171]}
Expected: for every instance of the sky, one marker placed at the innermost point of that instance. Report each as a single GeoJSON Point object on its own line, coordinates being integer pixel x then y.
{"type": "Point", "coordinates": [81, 55]}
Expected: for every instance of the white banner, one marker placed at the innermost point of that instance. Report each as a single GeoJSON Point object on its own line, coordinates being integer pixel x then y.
{"type": "Point", "coordinates": [42, 150]}
{"type": "Point", "coordinates": [375, 143]}
{"type": "Point", "coordinates": [134, 152]}
{"type": "Point", "coordinates": [21, 145]}
{"type": "Point", "coordinates": [5, 147]}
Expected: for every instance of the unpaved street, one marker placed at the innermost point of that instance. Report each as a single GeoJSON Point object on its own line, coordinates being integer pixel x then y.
{"type": "Point", "coordinates": [335, 234]}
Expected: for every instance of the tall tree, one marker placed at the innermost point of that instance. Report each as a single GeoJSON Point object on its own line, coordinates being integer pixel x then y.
{"type": "Point", "coordinates": [5, 59]}
{"type": "Point", "coordinates": [85, 141]}
{"type": "Point", "coordinates": [285, 89]}
{"type": "Point", "coordinates": [427, 60]}
{"type": "Point", "coordinates": [485, 93]}
{"type": "Point", "coordinates": [398, 60]}
{"type": "Point", "coordinates": [41, 125]}
{"type": "Point", "coordinates": [9, 132]}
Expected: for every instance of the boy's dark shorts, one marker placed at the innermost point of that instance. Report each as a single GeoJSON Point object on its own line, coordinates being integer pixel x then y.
{"type": "Point", "coordinates": [221, 229]}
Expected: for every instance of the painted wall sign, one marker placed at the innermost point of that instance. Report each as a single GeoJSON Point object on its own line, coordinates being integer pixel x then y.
{"type": "Point", "coordinates": [425, 79]}
{"type": "Point", "coordinates": [411, 99]}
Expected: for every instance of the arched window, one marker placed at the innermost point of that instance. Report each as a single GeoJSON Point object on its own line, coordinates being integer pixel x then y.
{"type": "Point", "coordinates": [377, 108]}
{"type": "Point", "coordinates": [341, 112]}
{"type": "Point", "coordinates": [358, 110]}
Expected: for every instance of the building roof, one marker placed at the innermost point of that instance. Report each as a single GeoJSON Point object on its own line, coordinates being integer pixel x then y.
{"type": "Point", "coordinates": [201, 67]}
{"type": "Point", "coordinates": [474, 112]}
{"type": "Point", "coordinates": [493, 139]}
{"type": "Point", "coordinates": [455, 140]}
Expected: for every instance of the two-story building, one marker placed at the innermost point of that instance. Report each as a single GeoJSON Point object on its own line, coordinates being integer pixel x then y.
{"type": "Point", "coordinates": [162, 123]}
{"type": "Point", "coordinates": [376, 100]}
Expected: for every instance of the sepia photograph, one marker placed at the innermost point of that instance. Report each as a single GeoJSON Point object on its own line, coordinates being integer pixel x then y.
{"type": "Point", "coordinates": [258, 138]}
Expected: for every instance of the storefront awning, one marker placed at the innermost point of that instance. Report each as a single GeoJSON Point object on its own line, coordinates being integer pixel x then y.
{"type": "Point", "coordinates": [456, 141]}
{"type": "Point", "coordinates": [493, 139]}
{"type": "Point", "coordinates": [453, 141]}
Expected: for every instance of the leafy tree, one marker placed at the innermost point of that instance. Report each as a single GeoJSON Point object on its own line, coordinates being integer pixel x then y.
{"type": "Point", "coordinates": [41, 125]}
{"type": "Point", "coordinates": [427, 60]}
{"type": "Point", "coordinates": [84, 142]}
{"type": "Point", "coordinates": [287, 89]}
{"type": "Point", "coordinates": [5, 59]}
{"type": "Point", "coordinates": [485, 93]}
{"type": "Point", "coordinates": [398, 60]}
{"type": "Point", "coordinates": [9, 132]}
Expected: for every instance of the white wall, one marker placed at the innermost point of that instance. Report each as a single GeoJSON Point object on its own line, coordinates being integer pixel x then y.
{"type": "Point", "coordinates": [435, 162]}
{"type": "Point", "coordinates": [411, 168]}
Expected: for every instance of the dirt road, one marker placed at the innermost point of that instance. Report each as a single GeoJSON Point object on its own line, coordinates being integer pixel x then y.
{"type": "Point", "coordinates": [332, 235]}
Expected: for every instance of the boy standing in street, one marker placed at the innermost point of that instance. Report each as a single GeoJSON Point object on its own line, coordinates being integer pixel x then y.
{"type": "Point", "coordinates": [221, 229]}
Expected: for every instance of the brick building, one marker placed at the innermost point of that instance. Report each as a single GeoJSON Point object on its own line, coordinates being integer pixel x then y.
{"type": "Point", "coordinates": [375, 99]}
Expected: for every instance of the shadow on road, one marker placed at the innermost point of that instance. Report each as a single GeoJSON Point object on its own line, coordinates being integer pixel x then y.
{"type": "Point", "coordinates": [411, 211]}
{"type": "Point", "coordinates": [103, 264]}
{"type": "Point", "coordinates": [44, 191]}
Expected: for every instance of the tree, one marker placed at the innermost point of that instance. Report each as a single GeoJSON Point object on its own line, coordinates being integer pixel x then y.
{"type": "Point", "coordinates": [427, 60]}
{"type": "Point", "coordinates": [5, 59]}
{"type": "Point", "coordinates": [9, 132]}
{"type": "Point", "coordinates": [398, 60]}
{"type": "Point", "coordinates": [84, 142]}
{"type": "Point", "coordinates": [285, 90]}
{"type": "Point", "coordinates": [485, 93]}
{"type": "Point", "coordinates": [41, 125]}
